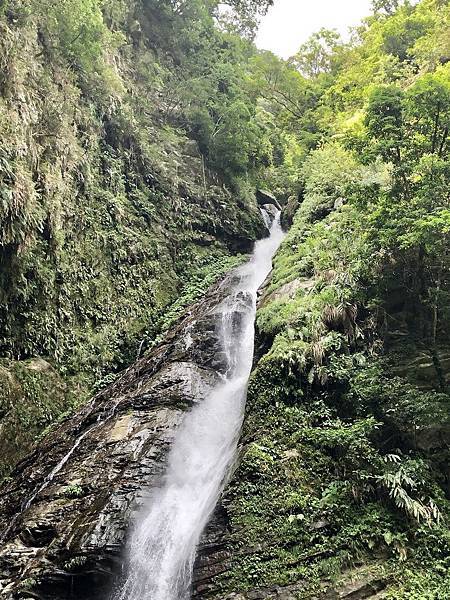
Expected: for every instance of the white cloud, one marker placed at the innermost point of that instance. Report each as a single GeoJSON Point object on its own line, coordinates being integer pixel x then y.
{"type": "Point", "coordinates": [289, 23]}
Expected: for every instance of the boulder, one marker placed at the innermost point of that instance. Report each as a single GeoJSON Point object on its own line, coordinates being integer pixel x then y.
{"type": "Point", "coordinates": [270, 211]}
{"type": "Point", "coordinates": [289, 210]}
{"type": "Point", "coordinates": [265, 197]}
{"type": "Point", "coordinates": [289, 290]}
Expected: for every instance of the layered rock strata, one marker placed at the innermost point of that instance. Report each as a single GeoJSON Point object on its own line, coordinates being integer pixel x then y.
{"type": "Point", "coordinates": [66, 510]}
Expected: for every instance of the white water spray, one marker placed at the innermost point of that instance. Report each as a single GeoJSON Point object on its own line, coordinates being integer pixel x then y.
{"type": "Point", "coordinates": [163, 545]}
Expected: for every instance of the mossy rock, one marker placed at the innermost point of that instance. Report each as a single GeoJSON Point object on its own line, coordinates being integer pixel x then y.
{"type": "Point", "coordinates": [32, 396]}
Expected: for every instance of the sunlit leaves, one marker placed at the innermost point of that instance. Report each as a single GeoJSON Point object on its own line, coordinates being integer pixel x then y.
{"type": "Point", "coordinates": [319, 54]}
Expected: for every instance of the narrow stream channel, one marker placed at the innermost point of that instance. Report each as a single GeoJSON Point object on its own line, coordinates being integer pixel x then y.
{"type": "Point", "coordinates": [163, 544]}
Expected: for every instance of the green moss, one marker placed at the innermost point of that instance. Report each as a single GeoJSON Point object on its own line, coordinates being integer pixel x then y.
{"type": "Point", "coordinates": [32, 396]}
{"type": "Point", "coordinates": [73, 491]}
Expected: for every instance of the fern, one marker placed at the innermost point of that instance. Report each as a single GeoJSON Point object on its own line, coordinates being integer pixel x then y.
{"type": "Point", "coordinates": [400, 486]}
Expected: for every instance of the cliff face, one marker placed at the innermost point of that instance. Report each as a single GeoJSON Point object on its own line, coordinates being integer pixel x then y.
{"type": "Point", "coordinates": [108, 209]}
{"type": "Point", "coordinates": [67, 510]}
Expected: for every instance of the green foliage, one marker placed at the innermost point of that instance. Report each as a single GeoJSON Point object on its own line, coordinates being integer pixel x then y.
{"type": "Point", "coordinates": [28, 583]}
{"type": "Point", "coordinates": [416, 584]}
{"type": "Point", "coordinates": [75, 564]}
{"type": "Point", "coordinates": [347, 444]}
{"type": "Point", "coordinates": [386, 6]}
{"type": "Point", "coordinates": [400, 482]}
{"type": "Point", "coordinates": [32, 397]}
{"type": "Point", "coordinates": [115, 215]}
{"type": "Point", "coordinates": [73, 491]}
{"type": "Point", "coordinates": [318, 55]}
{"type": "Point", "coordinates": [75, 30]}
{"type": "Point", "coordinates": [384, 122]}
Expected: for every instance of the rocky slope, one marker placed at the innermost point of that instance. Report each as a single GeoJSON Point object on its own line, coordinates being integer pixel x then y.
{"type": "Point", "coordinates": [67, 509]}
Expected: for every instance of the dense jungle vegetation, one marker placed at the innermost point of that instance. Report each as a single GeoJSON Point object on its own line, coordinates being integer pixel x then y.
{"type": "Point", "coordinates": [133, 135]}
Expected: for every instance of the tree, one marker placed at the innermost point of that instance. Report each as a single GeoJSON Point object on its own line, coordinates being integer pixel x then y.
{"type": "Point", "coordinates": [76, 31]}
{"type": "Point", "coordinates": [388, 7]}
{"type": "Point", "coordinates": [384, 122]}
{"type": "Point", "coordinates": [286, 89]}
{"type": "Point", "coordinates": [428, 110]}
{"type": "Point", "coordinates": [318, 54]}
{"type": "Point", "coordinates": [242, 16]}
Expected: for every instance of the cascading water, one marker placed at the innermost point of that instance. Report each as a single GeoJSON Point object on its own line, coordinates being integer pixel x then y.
{"type": "Point", "coordinates": [163, 545]}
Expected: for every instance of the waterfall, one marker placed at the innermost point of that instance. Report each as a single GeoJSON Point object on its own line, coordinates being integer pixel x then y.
{"type": "Point", "coordinates": [163, 544]}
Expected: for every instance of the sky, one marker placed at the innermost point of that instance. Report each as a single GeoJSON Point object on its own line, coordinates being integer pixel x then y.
{"type": "Point", "coordinates": [289, 23]}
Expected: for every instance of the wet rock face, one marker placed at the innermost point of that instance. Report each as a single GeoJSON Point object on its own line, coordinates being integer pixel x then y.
{"type": "Point", "coordinates": [264, 197]}
{"type": "Point", "coordinates": [65, 513]}
{"type": "Point", "coordinates": [289, 210]}
{"type": "Point", "coordinates": [271, 211]}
